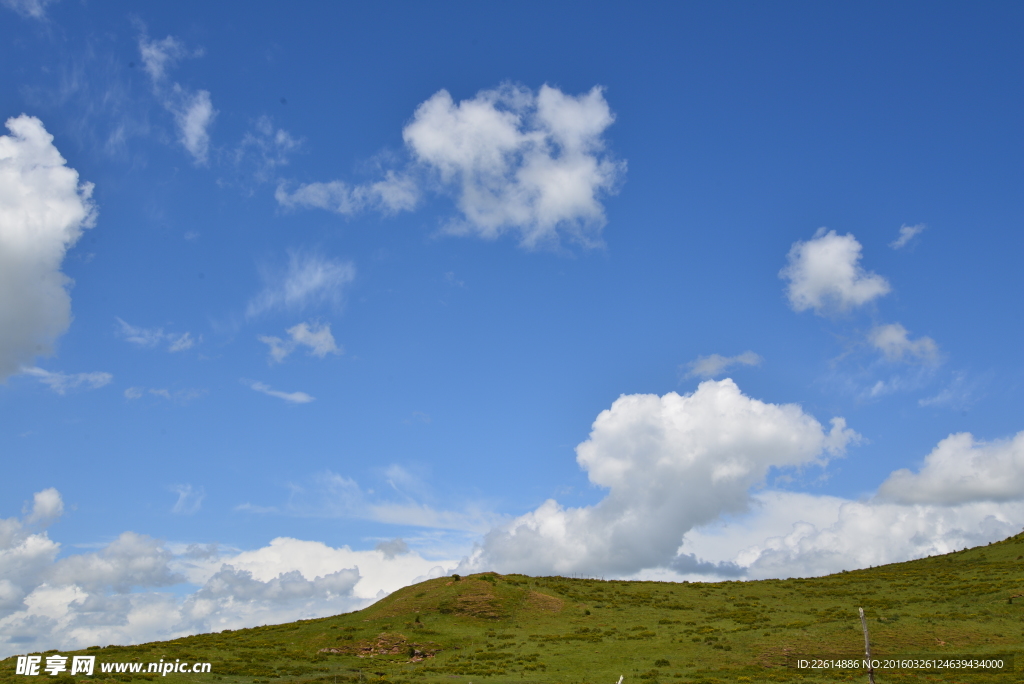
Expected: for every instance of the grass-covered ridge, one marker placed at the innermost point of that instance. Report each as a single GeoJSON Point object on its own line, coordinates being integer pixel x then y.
{"type": "Point", "coordinates": [513, 628]}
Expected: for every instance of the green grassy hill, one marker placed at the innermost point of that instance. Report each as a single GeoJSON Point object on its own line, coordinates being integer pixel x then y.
{"type": "Point", "coordinates": [513, 628]}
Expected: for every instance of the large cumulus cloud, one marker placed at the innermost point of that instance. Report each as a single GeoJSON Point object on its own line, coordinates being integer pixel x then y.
{"type": "Point", "coordinates": [44, 207]}
{"type": "Point", "coordinates": [670, 463]}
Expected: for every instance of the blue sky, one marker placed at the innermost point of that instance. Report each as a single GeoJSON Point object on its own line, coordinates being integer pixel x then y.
{"type": "Point", "coordinates": [346, 297]}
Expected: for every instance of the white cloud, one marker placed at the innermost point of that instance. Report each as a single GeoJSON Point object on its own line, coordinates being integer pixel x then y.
{"type": "Point", "coordinates": [893, 340]}
{"type": "Point", "coordinates": [870, 534]}
{"type": "Point", "coordinates": [43, 210]}
{"type": "Point", "coordinates": [961, 470]}
{"type": "Point", "coordinates": [30, 9]}
{"type": "Point", "coordinates": [824, 274]}
{"type": "Point", "coordinates": [131, 560]}
{"type": "Point", "coordinates": [380, 573]}
{"type": "Point", "coordinates": [182, 396]}
{"type": "Point", "coordinates": [519, 162]}
{"type": "Point", "coordinates": [265, 149]}
{"type": "Point", "coordinates": [958, 395]}
{"type": "Point", "coordinates": [530, 164]}
{"type": "Point", "coordinates": [790, 534]}
{"type": "Point", "coordinates": [279, 349]}
{"type": "Point", "coordinates": [907, 233]}
{"type": "Point", "coordinates": [47, 507]}
{"type": "Point", "coordinates": [26, 555]}
{"type": "Point", "coordinates": [967, 493]}
{"type": "Point", "coordinates": [61, 383]}
{"type": "Point", "coordinates": [118, 594]}
{"type": "Point", "coordinates": [290, 397]}
{"type": "Point", "coordinates": [659, 455]}
{"type": "Point", "coordinates": [331, 495]}
{"type": "Point", "coordinates": [181, 343]}
{"type": "Point", "coordinates": [288, 596]}
{"type": "Point", "coordinates": [716, 364]}
{"type": "Point", "coordinates": [152, 337]}
{"type": "Point", "coordinates": [190, 499]}
{"type": "Point", "coordinates": [193, 111]}
{"type": "Point", "coordinates": [316, 336]}
{"type": "Point", "coordinates": [309, 280]}
{"type": "Point", "coordinates": [159, 55]}
{"type": "Point", "coordinates": [143, 337]}
{"type": "Point", "coordinates": [395, 193]}
{"type": "Point", "coordinates": [392, 548]}
{"type": "Point", "coordinates": [670, 464]}
{"type": "Point", "coordinates": [896, 383]}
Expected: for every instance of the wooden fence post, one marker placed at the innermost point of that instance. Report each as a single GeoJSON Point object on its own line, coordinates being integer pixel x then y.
{"type": "Point", "coordinates": [867, 647]}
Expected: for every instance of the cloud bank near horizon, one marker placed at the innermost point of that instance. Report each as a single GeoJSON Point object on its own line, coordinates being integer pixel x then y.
{"type": "Point", "coordinates": [122, 593]}
{"type": "Point", "coordinates": [683, 476]}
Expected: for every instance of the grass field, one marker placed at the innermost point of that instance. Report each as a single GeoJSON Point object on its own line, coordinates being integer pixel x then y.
{"type": "Point", "coordinates": [514, 628]}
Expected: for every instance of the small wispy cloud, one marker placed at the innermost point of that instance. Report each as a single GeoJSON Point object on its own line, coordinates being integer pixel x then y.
{"type": "Point", "coordinates": [331, 495]}
{"type": "Point", "coordinates": [907, 233]}
{"type": "Point", "coordinates": [905, 382]}
{"type": "Point", "coordinates": [194, 113]}
{"type": "Point", "coordinates": [264, 150]}
{"type": "Point", "coordinates": [893, 340]}
{"type": "Point", "coordinates": [30, 9]}
{"type": "Point", "coordinates": [716, 364]}
{"type": "Point", "coordinates": [181, 396]}
{"type": "Point", "coordinates": [181, 343]}
{"type": "Point", "coordinates": [394, 193]}
{"type": "Point", "coordinates": [190, 499]}
{"type": "Point", "coordinates": [62, 383]}
{"type": "Point", "coordinates": [192, 110]}
{"type": "Point", "coordinates": [290, 397]}
{"type": "Point", "coordinates": [315, 336]}
{"type": "Point", "coordinates": [143, 337]}
{"type": "Point", "coordinates": [959, 395]}
{"type": "Point", "coordinates": [418, 417]}
{"type": "Point", "coordinates": [308, 280]}
{"type": "Point", "coordinates": [152, 337]}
